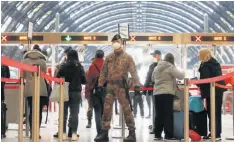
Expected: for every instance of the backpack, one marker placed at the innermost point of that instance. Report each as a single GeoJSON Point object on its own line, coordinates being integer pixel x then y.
{"type": "Point", "coordinates": [96, 81]}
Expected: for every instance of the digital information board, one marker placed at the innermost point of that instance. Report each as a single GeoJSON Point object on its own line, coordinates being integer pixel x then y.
{"type": "Point", "coordinates": [6, 38]}
{"type": "Point", "coordinates": [84, 38]}
{"type": "Point", "coordinates": [151, 38]}
{"type": "Point", "coordinates": [212, 38]}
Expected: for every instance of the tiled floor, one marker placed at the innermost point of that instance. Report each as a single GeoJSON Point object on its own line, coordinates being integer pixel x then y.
{"type": "Point", "coordinates": [87, 135]}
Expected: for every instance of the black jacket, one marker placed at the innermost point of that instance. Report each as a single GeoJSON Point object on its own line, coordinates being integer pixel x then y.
{"type": "Point", "coordinates": [148, 81]}
{"type": "Point", "coordinates": [5, 72]}
{"type": "Point", "coordinates": [73, 72]}
{"type": "Point", "coordinates": [208, 70]}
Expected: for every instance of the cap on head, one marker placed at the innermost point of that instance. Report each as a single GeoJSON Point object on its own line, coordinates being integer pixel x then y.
{"type": "Point", "coordinates": [36, 47]}
{"type": "Point", "coordinates": [156, 52]}
{"type": "Point", "coordinates": [116, 37]}
{"type": "Point", "coordinates": [99, 54]}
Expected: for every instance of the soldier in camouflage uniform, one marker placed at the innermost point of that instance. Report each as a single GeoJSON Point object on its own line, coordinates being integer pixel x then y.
{"type": "Point", "coordinates": [115, 70]}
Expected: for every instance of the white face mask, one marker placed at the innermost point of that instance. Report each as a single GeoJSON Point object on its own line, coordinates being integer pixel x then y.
{"type": "Point", "coordinates": [116, 45]}
{"type": "Point", "coordinates": [155, 60]}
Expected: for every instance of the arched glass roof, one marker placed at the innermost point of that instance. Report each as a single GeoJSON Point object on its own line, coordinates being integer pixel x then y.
{"type": "Point", "coordinates": [143, 16]}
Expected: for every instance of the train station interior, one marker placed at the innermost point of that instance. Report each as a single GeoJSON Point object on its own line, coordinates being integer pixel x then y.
{"type": "Point", "coordinates": [182, 28]}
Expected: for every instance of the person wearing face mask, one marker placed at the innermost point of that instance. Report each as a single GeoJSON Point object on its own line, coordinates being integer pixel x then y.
{"type": "Point", "coordinates": [115, 73]}
{"type": "Point", "coordinates": [149, 83]}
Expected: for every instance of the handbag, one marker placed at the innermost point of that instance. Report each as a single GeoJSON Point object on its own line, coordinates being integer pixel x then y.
{"type": "Point", "coordinates": [55, 93]}
{"type": "Point", "coordinates": [178, 104]}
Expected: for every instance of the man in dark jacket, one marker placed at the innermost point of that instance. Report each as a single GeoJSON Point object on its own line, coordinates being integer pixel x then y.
{"type": "Point", "coordinates": [211, 68]}
{"type": "Point", "coordinates": [5, 72]}
{"type": "Point", "coordinates": [149, 83]}
{"type": "Point", "coordinates": [95, 97]}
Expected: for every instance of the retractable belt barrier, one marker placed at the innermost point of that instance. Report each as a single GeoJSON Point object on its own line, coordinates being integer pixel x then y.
{"type": "Point", "coordinates": [36, 97]}
{"type": "Point", "coordinates": [212, 94]}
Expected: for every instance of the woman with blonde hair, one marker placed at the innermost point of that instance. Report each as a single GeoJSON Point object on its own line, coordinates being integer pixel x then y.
{"type": "Point", "coordinates": [209, 68]}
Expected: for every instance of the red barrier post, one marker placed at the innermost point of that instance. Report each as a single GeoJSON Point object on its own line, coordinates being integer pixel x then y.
{"type": "Point", "coordinates": [186, 111]}
{"type": "Point", "coordinates": [21, 110]}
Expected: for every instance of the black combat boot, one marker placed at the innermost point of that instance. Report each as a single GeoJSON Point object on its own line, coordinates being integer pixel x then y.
{"type": "Point", "coordinates": [131, 137]}
{"type": "Point", "coordinates": [89, 124]}
{"type": "Point", "coordinates": [102, 137]}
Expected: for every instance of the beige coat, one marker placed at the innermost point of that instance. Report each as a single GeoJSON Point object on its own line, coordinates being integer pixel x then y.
{"type": "Point", "coordinates": [34, 58]}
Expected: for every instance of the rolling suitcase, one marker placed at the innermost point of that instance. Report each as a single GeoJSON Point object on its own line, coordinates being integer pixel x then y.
{"type": "Point", "coordinates": [179, 125]}
{"type": "Point", "coordinates": [198, 122]}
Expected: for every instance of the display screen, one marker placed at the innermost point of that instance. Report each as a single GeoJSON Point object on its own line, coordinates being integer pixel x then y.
{"type": "Point", "coordinates": [5, 38]}
{"type": "Point", "coordinates": [212, 38]}
{"type": "Point", "coordinates": [84, 38]}
{"type": "Point", "coordinates": [151, 38]}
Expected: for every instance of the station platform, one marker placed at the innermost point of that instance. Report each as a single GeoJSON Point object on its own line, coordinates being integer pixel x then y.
{"type": "Point", "coordinates": [88, 134]}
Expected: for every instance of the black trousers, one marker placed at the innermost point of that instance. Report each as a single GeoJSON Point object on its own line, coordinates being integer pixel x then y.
{"type": "Point", "coordinates": [218, 113]}
{"type": "Point", "coordinates": [43, 102]}
{"type": "Point", "coordinates": [164, 115]}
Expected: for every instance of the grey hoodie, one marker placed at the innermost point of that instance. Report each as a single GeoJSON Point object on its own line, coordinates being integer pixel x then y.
{"type": "Point", "coordinates": [164, 76]}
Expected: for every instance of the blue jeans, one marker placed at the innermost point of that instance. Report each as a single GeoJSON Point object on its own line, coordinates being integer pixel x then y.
{"type": "Point", "coordinates": [74, 105]}
{"type": "Point", "coordinates": [98, 110]}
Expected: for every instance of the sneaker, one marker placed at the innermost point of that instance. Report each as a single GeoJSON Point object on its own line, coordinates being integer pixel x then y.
{"type": "Point", "coordinates": [158, 138]}
{"type": "Point", "coordinates": [65, 137]}
{"type": "Point", "coordinates": [55, 135]}
{"type": "Point", "coordinates": [74, 137]}
{"type": "Point", "coordinates": [218, 138]}
{"type": "Point", "coordinates": [207, 137]}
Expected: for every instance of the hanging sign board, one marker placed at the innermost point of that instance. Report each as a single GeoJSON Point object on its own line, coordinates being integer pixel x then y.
{"type": "Point", "coordinates": [30, 30]}
{"type": "Point", "coordinates": [81, 53]}
{"type": "Point", "coordinates": [124, 30]}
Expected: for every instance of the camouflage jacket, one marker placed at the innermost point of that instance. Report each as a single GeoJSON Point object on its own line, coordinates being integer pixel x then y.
{"type": "Point", "coordinates": [116, 67]}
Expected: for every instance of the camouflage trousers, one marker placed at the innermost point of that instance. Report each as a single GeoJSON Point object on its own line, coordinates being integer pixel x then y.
{"type": "Point", "coordinates": [112, 91]}
{"type": "Point", "coordinates": [90, 108]}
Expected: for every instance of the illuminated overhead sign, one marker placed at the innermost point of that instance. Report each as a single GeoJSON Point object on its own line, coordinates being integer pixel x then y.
{"type": "Point", "coordinates": [84, 38]}
{"type": "Point", "coordinates": [212, 38]}
{"type": "Point", "coordinates": [6, 38]}
{"type": "Point", "coordinates": [151, 38]}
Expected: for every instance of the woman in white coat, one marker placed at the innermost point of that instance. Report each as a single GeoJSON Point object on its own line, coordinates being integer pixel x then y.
{"type": "Point", "coordinates": [164, 76]}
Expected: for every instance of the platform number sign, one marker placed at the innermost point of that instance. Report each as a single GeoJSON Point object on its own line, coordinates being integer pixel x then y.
{"type": "Point", "coordinates": [124, 30]}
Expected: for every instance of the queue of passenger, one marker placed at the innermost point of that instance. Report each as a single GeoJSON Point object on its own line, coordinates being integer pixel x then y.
{"type": "Point", "coordinates": [107, 80]}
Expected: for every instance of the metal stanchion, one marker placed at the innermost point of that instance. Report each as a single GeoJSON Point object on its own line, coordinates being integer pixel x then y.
{"type": "Point", "coordinates": [38, 101]}
{"type": "Point", "coordinates": [213, 128]}
{"type": "Point", "coordinates": [119, 126]}
{"type": "Point", "coordinates": [21, 110]}
{"type": "Point", "coordinates": [61, 107]}
{"type": "Point", "coordinates": [35, 123]}
{"type": "Point", "coordinates": [186, 111]}
{"type": "Point", "coordinates": [122, 124]}
{"type": "Point", "coordinates": [232, 138]}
